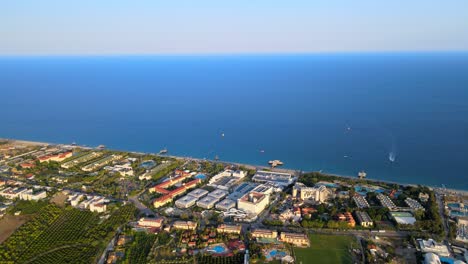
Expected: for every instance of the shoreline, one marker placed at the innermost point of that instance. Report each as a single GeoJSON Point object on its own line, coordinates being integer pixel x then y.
{"type": "Point", "coordinates": [252, 166]}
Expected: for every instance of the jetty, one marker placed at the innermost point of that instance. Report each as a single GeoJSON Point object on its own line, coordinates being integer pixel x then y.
{"type": "Point", "coordinates": [275, 163]}
{"type": "Point", "coordinates": [362, 174]}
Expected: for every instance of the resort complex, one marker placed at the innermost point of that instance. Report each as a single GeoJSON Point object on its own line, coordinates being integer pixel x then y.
{"type": "Point", "coordinates": [177, 209]}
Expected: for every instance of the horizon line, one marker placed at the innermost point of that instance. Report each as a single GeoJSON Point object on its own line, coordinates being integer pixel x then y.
{"type": "Point", "coordinates": [216, 54]}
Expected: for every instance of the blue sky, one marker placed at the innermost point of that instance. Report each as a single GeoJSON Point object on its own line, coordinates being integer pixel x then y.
{"type": "Point", "coordinates": [235, 26]}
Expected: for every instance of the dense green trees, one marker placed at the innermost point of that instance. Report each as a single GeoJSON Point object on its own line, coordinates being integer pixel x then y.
{"type": "Point", "coordinates": [63, 235]}
{"type": "Point", "coordinates": [138, 251]}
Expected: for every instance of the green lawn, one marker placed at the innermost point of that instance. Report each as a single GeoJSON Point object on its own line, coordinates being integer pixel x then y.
{"type": "Point", "coordinates": [325, 249]}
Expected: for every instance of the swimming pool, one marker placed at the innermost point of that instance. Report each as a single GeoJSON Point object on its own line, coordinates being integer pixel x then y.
{"type": "Point", "coordinates": [447, 260]}
{"type": "Point", "coordinates": [148, 164]}
{"type": "Point", "coordinates": [276, 254]}
{"type": "Point", "coordinates": [456, 205]}
{"type": "Point", "coordinates": [200, 176]}
{"type": "Point", "coordinates": [458, 213]}
{"type": "Point", "coordinates": [363, 190]}
{"type": "Point", "coordinates": [218, 249]}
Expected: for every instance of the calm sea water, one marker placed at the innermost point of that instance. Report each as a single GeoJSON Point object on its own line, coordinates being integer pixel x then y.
{"type": "Point", "coordinates": [338, 113]}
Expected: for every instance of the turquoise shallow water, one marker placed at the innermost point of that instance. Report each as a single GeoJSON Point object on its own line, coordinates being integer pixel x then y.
{"type": "Point", "coordinates": [340, 113]}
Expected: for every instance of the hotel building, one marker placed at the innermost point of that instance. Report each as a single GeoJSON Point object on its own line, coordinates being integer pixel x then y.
{"type": "Point", "coordinates": [253, 202]}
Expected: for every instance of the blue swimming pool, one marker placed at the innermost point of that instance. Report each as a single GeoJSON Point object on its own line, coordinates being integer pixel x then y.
{"type": "Point", "coordinates": [458, 213]}
{"type": "Point", "coordinates": [200, 176]}
{"type": "Point", "coordinates": [456, 205]}
{"type": "Point", "coordinates": [276, 254]}
{"type": "Point", "coordinates": [327, 184]}
{"type": "Point", "coordinates": [447, 260]}
{"type": "Point", "coordinates": [363, 190]}
{"type": "Point", "coordinates": [219, 249]}
{"type": "Point", "coordinates": [148, 164]}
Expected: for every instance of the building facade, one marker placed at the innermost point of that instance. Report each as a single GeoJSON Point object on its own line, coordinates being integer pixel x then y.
{"type": "Point", "coordinates": [318, 193]}
{"type": "Point", "coordinates": [253, 202]}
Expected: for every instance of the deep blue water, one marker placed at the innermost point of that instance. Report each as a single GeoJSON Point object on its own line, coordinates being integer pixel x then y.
{"type": "Point", "coordinates": [309, 111]}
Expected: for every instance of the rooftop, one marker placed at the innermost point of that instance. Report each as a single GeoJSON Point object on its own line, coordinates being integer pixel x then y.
{"type": "Point", "coordinates": [198, 193]}
{"type": "Point", "coordinates": [252, 197]}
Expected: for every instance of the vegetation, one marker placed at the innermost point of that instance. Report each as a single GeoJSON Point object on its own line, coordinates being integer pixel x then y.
{"type": "Point", "coordinates": [166, 170]}
{"type": "Point", "coordinates": [312, 223]}
{"type": "Point", "coordinates": [138, 251]}
{"type": "Point", "coordinates": [19, 241]}
{"type": "Point", "coordinates": [326, 249]}
{"type": "Point", "coordinates": [209, 259]}
{"type": "Point", "coordinates": [272, 222]}
{"type": "Point", "coordinates": [28, 207]}
{"type": "Point", "coordinates": [255, 252]}
{"type": "Point", "coordinates": [452, 230]}
{"type": "Point", "coordinates": [57, 235]}
{"type": "Point", "coordinates": [212, 168]}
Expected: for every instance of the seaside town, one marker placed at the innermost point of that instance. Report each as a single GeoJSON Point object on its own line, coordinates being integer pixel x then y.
{"type": "Point", "coordinates": [76, 204]}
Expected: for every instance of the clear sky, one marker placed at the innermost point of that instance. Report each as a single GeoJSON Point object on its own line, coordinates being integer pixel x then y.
{"type": "Point", "coordinates": [230, 26]}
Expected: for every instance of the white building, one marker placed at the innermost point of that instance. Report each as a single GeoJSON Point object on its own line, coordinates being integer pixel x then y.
{"type": "Point", "coordinates": [186, 201]}
{"type": "Point", "coordinates": [150, 222]}
{"type": "Point", "coordinates": [279, 178]}
{"type": "Point", "coordinates": [386, 201]}
{"type": "Point", "coordinates": [423, 197]}
{"type": "Point", "coordinates": [218, 194]}
{"type": "Point", "coordinates": [186, 225]}
{"type": "Point", "coordinates": [226, 179]}
{"type": "Point", "coordinates": [75, 199]}
{"type": "Point", "coordinates": [462, 229]}
{"type": "Point", "coordinates": [31, 195]}
{"type": "Point", "coordinates": [124, 169]}
{"type": "Point", "coordinates": [431, 258]}
{"type": "Point", "coordinates": [363, 219]}
{"type": "Point", "coordinates": [98, 207]}
{"type": "Point", "coordinates": [264, 188]}
{"type": "Point", "coordinates": [241, 190]}
{"type": "Point", "coordinates": [207, 202]}
{"type": "Point", "coordinates": [317, 194]}
{"type": "Point", "coordinates": [23, 194]}
{"type": "Point", "coordinates": [431, 246]}
{"type": "Point", "coordinates": [12, 193]}
{"type": "Point", "coordinates": [360, 201]}
{"type": "Point", "coordinates": [413, 204]}
{"type": "Point", "coordinates": [198, 193]}
{"type": "Point", "coordinates": [253, 202]}
{"type": "Point", "coordinates": [225, 204]}
{"type": "Point", "coordinates": [101, 163]}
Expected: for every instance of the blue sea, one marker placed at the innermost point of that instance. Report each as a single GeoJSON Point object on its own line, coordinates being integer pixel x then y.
{"type": "Point", "coordinates": [400, 117]}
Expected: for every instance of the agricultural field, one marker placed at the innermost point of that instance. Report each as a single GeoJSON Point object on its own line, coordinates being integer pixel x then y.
{"type": "Point", "coordinates": [326, 249]}
{"type": "Point", "coordinates": [138, 251]}
{"type": "Point", "coordinates": [28, 207]}
{"type": "Point", "coordinates": [63, 235]}
{"type": "Point", "coordinates": [8, 225]}
{"type": "Point", "coordinates": [208, 259]}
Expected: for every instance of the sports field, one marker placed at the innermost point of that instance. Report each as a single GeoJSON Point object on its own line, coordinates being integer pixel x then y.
{"type": "Point", "coordinates": [326, 249]}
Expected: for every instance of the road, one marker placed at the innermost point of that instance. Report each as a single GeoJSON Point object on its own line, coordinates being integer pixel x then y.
{"type": "Point", "coordinates": [440, 203]}
{"type": "Point", "coordinates": [109, 247]}
{"type": "Point", "coordinates": [135, 199]}
{"type": "Point", "coordinates": [143, 208]}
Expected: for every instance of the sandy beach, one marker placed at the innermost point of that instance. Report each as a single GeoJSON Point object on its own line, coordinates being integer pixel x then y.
{"type": "Point", "coordinates": [249, 166]}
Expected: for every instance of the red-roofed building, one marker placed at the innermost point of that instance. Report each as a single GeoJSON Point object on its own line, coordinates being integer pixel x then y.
{"type": "Point", "coordinates": [27, 165]}
{"type": "Point", "coordinates": [160, 188]}
{"type": "Point", "coordinates": [170, 195]}
{"type": "Point", "coordinates": [150, 222]}
{"type": "Point", "coordinates": [56, 157]}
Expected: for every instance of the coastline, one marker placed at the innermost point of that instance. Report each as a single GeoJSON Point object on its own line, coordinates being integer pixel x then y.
{"type": "Point", "coordinates": [250, 166]}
